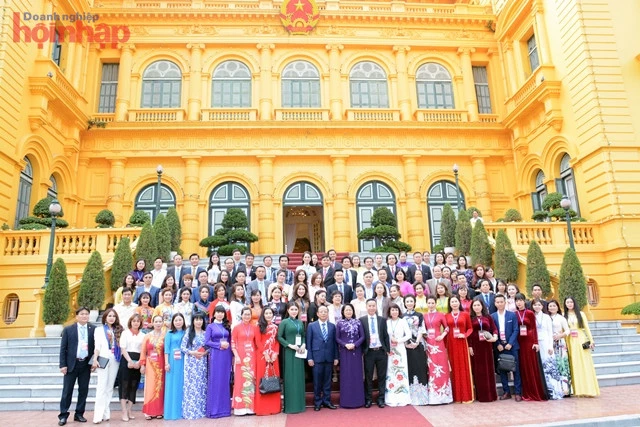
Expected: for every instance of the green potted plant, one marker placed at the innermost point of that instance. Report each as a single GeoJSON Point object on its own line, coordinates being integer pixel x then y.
{"type": "Point", "coordinates": [105, 219]}
{"type": "Point", "coordinates": [147, 247]}
{"type": "Point", "coordinates": [384, 229]}
{"type": "Point", "coordinates": [481, 252]}
{"type": "Point", "coordinates": [463, 233]}
{"type": "Point", "coordinates": [572, 281]}
{"type": "Point", "coordinates": [506, 265]}
{"type": "Point", "coordinates": [41, 219]}
{"type": "Point", "coordinates": [448, 229]}
{"type": "Point", "coordinates": [233, 234]}
{"type": "Point", "coordinates": [55, 305]}
{"type": "Point", "coordinates": [91, 293]}
{"type": "Point", "coordinates": [139, 218]}
{"type": "Point", "coordinates": [122, 262]}
{"type": "Point", "coordinates": [537, 272]}
{"type": "Point", "coordinates": [512, 215]}
{"type": "Point", "coordinates": [173, 221]}
{"type": "Point", "coordinates": [163, 238]}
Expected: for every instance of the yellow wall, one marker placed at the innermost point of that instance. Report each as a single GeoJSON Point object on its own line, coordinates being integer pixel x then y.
{"type": "Point", "coordinates": [583, 100]}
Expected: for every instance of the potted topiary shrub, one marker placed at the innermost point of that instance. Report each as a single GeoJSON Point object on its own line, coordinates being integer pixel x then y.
{"type": "Point", "coordinates": [139, 218]}
{"type": "Point", "coordinates": [572, 281]}
{"type": "Point", "coordinates": [448, 229]}
{"type": "Point", "coordinates": [147, 248]}
{"type": "Point", "coordinates": [173, 221]}
{"type": "Point", "coordinates": [233, 234]}
{"type": "Point", "coordinates": [41, 219]}
{"type": "Point", "coordinates": [122, 262]}
{"type": "Point", "coordinates": [537, 273]}
{"type": "Point", "coordinates": [481, 252]}
{"type": "Point", "coordinates": [91, 293]}
{"type": "Point", "coordinates": [384, 229]}
{"type": "Point", "coordinates": [506, 265]}
{"type": "Point", "coordinates": [105, 219]}
{"type": "Point", "coordinates": [512, 215]}
{"type": "Point", "coordinates": [163, 238]}
{"type": "Point", "coordinates": [55, 305]}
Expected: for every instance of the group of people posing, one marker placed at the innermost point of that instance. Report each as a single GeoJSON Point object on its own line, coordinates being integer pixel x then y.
{"type": "Point", "coordinates": [429, 334]}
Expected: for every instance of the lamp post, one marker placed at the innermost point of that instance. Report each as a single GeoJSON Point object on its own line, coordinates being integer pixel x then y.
{"type": "Point", "coordinates": [159, 170]}
{"type": "Point", "coordinates": [54, 210]}
{"type": "Point", "coordinates": [565, 203]}
{"type": "Point", "coordinates": [455, 173]}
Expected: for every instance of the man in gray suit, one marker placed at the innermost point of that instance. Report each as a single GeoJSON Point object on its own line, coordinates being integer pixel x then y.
{"type": "Point", "coordinates": [260, 283]}
{"type": "Point", "coordinates": [437, 278]}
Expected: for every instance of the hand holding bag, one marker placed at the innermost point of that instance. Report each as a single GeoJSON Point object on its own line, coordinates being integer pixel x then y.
{"type": "Point", "coordinates": [269, 383]}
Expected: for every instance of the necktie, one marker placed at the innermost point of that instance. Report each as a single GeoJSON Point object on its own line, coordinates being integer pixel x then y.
{"type": "Point", "coordinates": [486, 299]}
{"type": "Point", "coordinates": [393, 271]}
{"type": "Point", "coordinates": [341, 288]}
{"type": "Point", "coordinates": [83, 335]}
{"type": "Point", "coordinates": [373, 325]}
{"type": "Point", "coordinates": [346, 276]}
{"type": "Point", "coordinates": [325, 334]}
{"type": "Point", "coordinates": [177, 275]}
{"type": "Point", "coordinates": [324, 273]}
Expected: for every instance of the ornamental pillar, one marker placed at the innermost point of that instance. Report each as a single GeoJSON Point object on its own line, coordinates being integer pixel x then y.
{"type": "Point", "coordinates": [190, 217]}
{"type": "Point", "coordinates": [123, 93]}
{"type": "Point", "coordinates": [414, 207]}
{"type": "Point", "coordinates": [403, 82]}
{"type": "Point", "coordinates": [341, 230]}
{"type": "Point", "coordinates": [481, 185]}
{"type": "Point", "coordinates": [470, 101]}
{"type": "Point", "coordinates": [266, 215]}
{"type": "Point", "coordinates": [195, 81]}
{"type": "Point", "coordinates": [335, 95]}
{"type": "Point", "coordinates": [537, 12]}
{"type": "Point", "coordinates": [266, 101]}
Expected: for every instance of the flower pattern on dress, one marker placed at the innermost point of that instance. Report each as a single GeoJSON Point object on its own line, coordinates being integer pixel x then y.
{"type": "Point", "coordinates": [195, 379]}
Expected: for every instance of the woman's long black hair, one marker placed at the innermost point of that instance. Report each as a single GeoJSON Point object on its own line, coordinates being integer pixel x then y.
{"type": "Point", "coordinates": [576, 310]}
{"type": "Point", "coordinates": [192, 328]}
{"type": "Point", "coordinates": [262, 322]}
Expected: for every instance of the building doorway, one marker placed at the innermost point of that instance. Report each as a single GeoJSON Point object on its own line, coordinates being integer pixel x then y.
{"type": "Point", "coordinates": [303, 216]}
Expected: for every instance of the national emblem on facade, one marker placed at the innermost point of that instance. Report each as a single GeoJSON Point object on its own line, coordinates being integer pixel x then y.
{"type": "Point", "coordinates": [299, 16]}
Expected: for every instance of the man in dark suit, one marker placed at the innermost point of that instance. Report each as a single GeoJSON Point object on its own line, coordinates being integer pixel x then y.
{"type": "Point", "coordinates": [147, 287]}
{"type": "Point", "coordinates": [391, 268]}
{"type": "Point", "coordinates": [350, 275]}
{"type": "Point", "coordinates": [418, 265]}
{"type": "Point", "coordinates": [333, 261]}
{"type": "Point", "coordinates": [271, 272]}
{"type": "Point", "coordinates": [249, 268]}
{"type": "Point", "coordinates": [237, 266]}
{"type": "Point", "coordinates": [284, 265]}
{"type": "Point", "coordinates": [76, 347]}
{"type": "Point", "coordinates": [177, 270]}
{"type": "Point", "coordinates": [375, 349]}
{"type": "Point", "coordinates": [194, 268]}
{"type": "Point", "coordinates": [507, 343]}
{"type": "Point", "coordinates": [322, 355]}
{"type": "Point", "coordinates": [340, 285]}
{"type": "Point", "coordinates": [327, 271]}
{"type": "Point", "coordinates": [536, 293]}
{"type": "Point", "coordinates": [487, 296]}
{"type": "Point", "coordinates": [321, 298]}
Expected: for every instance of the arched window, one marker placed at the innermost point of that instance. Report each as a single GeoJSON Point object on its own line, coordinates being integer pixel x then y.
{"type": "Point", "coordinates": [302, 194]}
{"type": "Point", "coordinates": [538, 196]}
{"type": "Point", "coordinates": [439, 194]}
{"type": "Point", "coordinates": [224, 196]}
{"type": "Point", "coordinates": [161, 85]}
{"type": "Point", "coordinates": [300, 85]}
{"type": "Point", "coordinates": [231, 86]}
{"type": "Point", "coordinates": [434, 87]}
{"type": "Point", "coordinates": [147, 200]}
{"type": "Point", "coordinates": [372, 195]}
{"type": "Point", "coordinates": [53, 190]}
{"type": "Point", "coordinates": [24, 192]}
{"type": "Point", "coordinates": [368, 86]}
{"type": "Point", "coordinates": [566, 184]}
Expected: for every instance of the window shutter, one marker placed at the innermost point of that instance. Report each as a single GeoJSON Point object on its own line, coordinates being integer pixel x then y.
{"type": "Point", "coordinates": [535, 201]}
{"type": "Point", "coordinates": [560, 188]}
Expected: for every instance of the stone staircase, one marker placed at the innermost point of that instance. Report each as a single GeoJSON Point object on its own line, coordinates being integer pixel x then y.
{"type": "Point", "coordinates": [30, 379]}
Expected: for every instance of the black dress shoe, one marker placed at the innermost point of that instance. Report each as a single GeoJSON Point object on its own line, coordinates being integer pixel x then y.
{"type": "Point", "coordinates": [62, 421]}
{"type": "Point", "coordinates": [316, 408]}
{"type": "Point", "coordinates": [79, 418]}
{"type": "Point", "coordinates": [367, 404]}
{"type": "Point", "coordinates": [330, 405]}
{"type": "Point", "coordinates": [381, 404]}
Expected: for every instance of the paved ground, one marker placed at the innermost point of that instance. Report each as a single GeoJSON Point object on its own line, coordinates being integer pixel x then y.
{"type": "Point", "coordinates": [621, 400]}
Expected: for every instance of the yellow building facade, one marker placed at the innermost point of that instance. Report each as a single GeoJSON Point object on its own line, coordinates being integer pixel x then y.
{"type": "Point", "coordinates": [308, 133]}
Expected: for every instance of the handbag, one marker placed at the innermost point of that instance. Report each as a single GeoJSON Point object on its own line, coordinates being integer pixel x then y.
{"type": "Point", "coordinates": [506, 362]}
{"type": "Point", "coordinates": [102, 362]}
{"type": "Point", "coordinates": [269, 384]}
{"type": "Point", "coordinates": [487, 335]}
{"type": "Point", "coordinates": [586, 345]}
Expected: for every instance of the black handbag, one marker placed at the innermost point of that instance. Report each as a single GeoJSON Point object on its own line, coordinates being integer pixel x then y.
{"type": "Point", "coordinates": [102, 362]}
{"type": "Point", "coordinates": [269, 383]}
{"type": "Point", "coordinates": [506, 362]}
{"type": "Point", "coordinates": [586, 345]}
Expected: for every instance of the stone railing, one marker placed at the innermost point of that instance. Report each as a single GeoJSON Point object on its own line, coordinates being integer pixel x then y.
{"type": "Point", "coordinates": [545, 233]}
{"type": "Point", "coordinates": [441, 115]}
{"type": "Point", "coordinates": [488, 118]}
{"type": "Point", "coordinates": [228, 114]}
{"type": "Point", "coordinates": [19, 243]}
{"type": "Point", "coordinates": [302, 114]}
{"type": "Point", "coordinates": [373, 114]}
{"type": "Point", "coordinates": [157, 115]}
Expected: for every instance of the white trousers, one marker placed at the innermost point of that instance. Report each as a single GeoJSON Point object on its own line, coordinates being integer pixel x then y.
{"type": "Point", "coordinates": [104, 390]}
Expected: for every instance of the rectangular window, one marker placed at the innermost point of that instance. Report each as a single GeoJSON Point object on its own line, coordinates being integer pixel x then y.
{"type": "Point", "coordinates": [300, 93]}
{"type": "Point", "coordinates": [435, 95]}
{"type": "Point", "coordinates": [482, 90]}
{"type": "Point", "coordinates": [108, 88]}
{"type": "Point", "coordinates": [532, 49]}
{"type": "Point", "coordinates": [231, 93]}
{"type": "Point", "coordinates": [56, 49]}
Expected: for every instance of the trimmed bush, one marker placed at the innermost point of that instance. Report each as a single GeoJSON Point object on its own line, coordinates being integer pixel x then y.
{"type": "Point", "coordinates": [471, 209]}
{"type": "Point", "coordinates": [448, 227]}
{"type": "Point", "coordinates": [233, 234]}
{"type": "Point", "coordinates": [122, 263]}
{"type": "Point", "coordinates": [572, 281]}
{"type": "Point", "coordinates": [41, 209]}
{"type": "Point", "coordinates": [537, 272]}
{"type": "Point", "coordinates": [551, 205]}
{"type": "Point", "coordinates": [512, 215]}
{"type": "Point", "coordinates": [91, 293]}
{"type": "Point", "coordinates": [55, 305]}
{"type": "Point", "coordinates": [163, 238]}
{"type": "Point", "coordinates": [463, 233]}
{"type": "Point", "coordinates": [41, 218]}
{"type": "Point", "coordinates": [481, 252]}
{"type": "Point", "coordinates": [173, 221]}
{"type": "Point", "coordinates": [437, 248]}
{"type": "Point", "coordinates": [384, 229]}
{"type": "Point", "coordinates": [139, 218]}
{"type": "Point", "coordinates": [632, 309]}
{"type": "Point", "coordinates": [540, 216]}
{"type": "Point", "coordinates": [506, 265]}
{"type": "Point", "coordinates": [147, 248]}
{"type": "Point", "coordinates": [105, 219]}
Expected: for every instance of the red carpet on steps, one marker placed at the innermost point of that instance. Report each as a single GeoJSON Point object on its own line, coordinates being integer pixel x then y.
{"type": "Point", "coordinates": [362, 417]}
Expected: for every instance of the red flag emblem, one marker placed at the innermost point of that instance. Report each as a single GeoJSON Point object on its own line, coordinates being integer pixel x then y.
{"type": "Point", "coordinates": [299, 16]}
